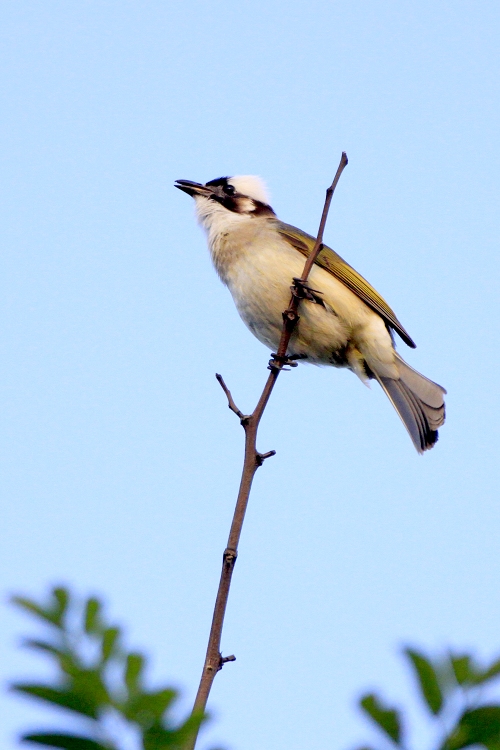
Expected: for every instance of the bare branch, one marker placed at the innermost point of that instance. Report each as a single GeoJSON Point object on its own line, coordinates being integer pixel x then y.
{"type": "Point", "coordinates": [319, 239]}
{"type": "Point", "coordinates": [214, 660]}
{"type": "Point", "coordinates": [290, 315]}
{"type": "Point", "coordinates": [230, 400]}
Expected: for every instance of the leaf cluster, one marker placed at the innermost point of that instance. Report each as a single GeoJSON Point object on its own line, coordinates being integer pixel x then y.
{"type": "Point", "coordinates": [95, 678]}
{"type": "Point", "coordinates": [451, 689]}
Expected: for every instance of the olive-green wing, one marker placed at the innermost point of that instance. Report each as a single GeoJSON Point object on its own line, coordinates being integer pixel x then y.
{"type": "Point", "coordinates": [330, 261]}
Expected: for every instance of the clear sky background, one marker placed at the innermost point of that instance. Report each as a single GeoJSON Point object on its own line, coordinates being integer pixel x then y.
{"type": "Point", "coordinates": [120, 460]}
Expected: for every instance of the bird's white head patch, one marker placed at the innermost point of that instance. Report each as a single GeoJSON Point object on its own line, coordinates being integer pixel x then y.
{"type": "Point", "coordinates": [251, 186]}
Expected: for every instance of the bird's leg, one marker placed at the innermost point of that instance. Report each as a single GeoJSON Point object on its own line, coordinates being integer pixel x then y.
{"type": "Point", "coordinates": [281, 363]}
{"type": "Point", "coordinates": [302, 290]}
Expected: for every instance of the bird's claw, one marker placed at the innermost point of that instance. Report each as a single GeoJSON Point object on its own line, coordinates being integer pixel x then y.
{"type": "Point", "coordinates": [302, 290]}
{"type": "Point", "coordinates": [282, 363]}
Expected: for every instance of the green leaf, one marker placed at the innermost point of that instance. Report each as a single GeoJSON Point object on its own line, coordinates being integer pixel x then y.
{"type": "Point", "coordinates": [159, 738]}
{"type": "Point", "coordinates": [53, 613]}
{"type": "Point", "coordinates": [61, 596]}
{"type": "Point", "coordinates": [109, 642]}
{"type": "Point", "coordinates": [69, 664]}
{"type": "Point", "coordinates": [463, 669]}
{"type": "Point", "coordinates": [42, 646]}
{"type": "Point", "coordinates": [490, 673]}
{"type": "Point", "coordinates": [36, 609]}
{"type": "Point", "coordinates": [190, 726]}
{"type": "Point", "coordinates": [133, 671]}
{"type": "Point", "coordinates": [89, 684]}
{"type": "Point", "coordinates": [478, 726]}
{"type": "Point", "coordinates": [148, 708]}
{"type": "Point", "coordinates": [428, 680]}
{"type": "Point", "coordinates": [387, 719]}
{"type": "Point", "coordinates": [66, 659]}
{"type": "Point", "coordinates": [67, 741]}
{"type": "Point", "coordinates": [92, 617]}
{"type": "Point", "coordinates": [70, 699]}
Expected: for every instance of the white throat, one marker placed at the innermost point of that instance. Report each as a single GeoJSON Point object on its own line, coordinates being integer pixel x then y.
{"type": "Point", "coordinates": [229, 234]}
{"type": "Point", "coordinates": [216, 219]}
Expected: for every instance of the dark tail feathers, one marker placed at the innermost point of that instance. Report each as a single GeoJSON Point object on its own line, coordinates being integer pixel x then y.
{"type": "Point", "coordinates": [418, 401]}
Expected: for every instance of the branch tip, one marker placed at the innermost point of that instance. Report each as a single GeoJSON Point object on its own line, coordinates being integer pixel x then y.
{"type": "Point", "coordinates": [230, 400]}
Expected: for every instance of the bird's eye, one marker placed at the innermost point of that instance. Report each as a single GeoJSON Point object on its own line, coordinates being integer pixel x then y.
{"type": "Point", "coordinates": [229, 190]}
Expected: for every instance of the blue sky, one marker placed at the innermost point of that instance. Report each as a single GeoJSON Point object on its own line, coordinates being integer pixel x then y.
{"type": "Point", "coordinates": [120, 460]}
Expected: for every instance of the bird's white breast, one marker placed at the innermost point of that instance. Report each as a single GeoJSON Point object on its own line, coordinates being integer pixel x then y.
{"type": "Point", "coordinates": [258, 266]}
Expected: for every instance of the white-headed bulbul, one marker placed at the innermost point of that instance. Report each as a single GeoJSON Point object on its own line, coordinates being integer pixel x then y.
{"type": "Point", "coordinates": [344, 322]}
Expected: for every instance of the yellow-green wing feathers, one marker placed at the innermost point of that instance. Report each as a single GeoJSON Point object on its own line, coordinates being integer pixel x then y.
{"type": "Point", "coordinates": [330, 261]}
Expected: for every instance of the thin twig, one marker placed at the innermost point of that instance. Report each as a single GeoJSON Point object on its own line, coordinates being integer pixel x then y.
{"type": "Point", "coordinates": [230, 401]}
{"type": "Point", "coordinates": [214, 660]}
{"type": "Point", "coordinates": [290, 316]}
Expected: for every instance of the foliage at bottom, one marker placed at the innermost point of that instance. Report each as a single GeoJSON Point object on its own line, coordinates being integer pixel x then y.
{"type": "Point", "coordinates": [97, 679]}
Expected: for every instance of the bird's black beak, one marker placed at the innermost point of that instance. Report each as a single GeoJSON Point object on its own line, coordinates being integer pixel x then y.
{"type": "Point", "coordinates": [193, 188]}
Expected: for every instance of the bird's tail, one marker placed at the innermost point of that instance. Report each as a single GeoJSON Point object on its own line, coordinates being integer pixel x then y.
{"type": "Point", "coordinates": [418, 401]}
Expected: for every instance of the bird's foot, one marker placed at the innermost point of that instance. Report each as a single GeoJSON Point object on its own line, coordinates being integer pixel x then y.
{"type": "Point", "coordinates": [283, 363]}
{"type": "Point", "coordinates": [302, 290]}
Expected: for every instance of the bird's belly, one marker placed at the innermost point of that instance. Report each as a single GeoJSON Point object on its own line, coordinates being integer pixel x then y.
{"type": "Point", "coordinates": [260, 286]}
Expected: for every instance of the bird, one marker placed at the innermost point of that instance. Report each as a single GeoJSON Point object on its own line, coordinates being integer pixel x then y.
{"type": "Point", "coordinates": [343, 321]}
